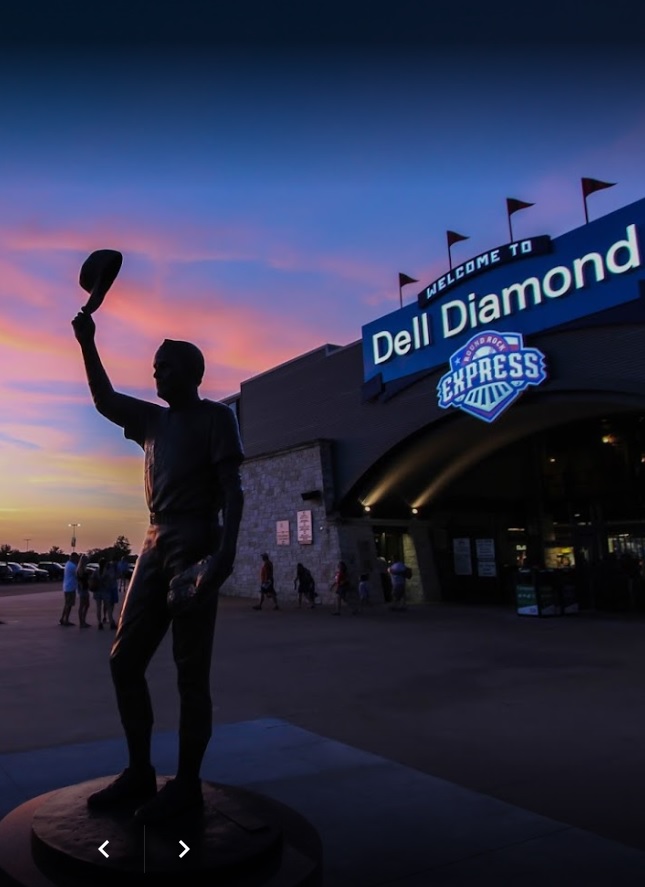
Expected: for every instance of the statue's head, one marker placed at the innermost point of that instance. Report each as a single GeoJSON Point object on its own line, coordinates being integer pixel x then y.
{"type": "Point", "coordinates": [178, 369]}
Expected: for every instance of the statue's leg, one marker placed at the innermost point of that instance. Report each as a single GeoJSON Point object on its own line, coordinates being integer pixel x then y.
{"type": "Point", "coordinates": [192, 649]}
{"type": "Point", "coordinates": [143, 624]}
{"type": "Point", "coordinates": [185, 544]}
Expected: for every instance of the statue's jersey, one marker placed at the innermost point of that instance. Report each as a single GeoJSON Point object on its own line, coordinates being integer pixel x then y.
{"type": "Point", "coordinates": [183, 450]}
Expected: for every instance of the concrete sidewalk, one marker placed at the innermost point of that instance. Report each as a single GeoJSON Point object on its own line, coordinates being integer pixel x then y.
{"type": "Point", "coordinates": [444, 745]}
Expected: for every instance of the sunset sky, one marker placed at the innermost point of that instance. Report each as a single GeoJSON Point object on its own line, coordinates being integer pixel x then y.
{"type": "Point", "coordinates": [265, 197]}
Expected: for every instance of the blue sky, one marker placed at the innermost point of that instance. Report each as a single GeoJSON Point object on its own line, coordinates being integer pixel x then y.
{"type": "Point", "coordinates": [265, 195]}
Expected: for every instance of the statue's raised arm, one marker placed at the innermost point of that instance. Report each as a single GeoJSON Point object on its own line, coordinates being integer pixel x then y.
{"type": "Point", "coordinates": [98, 273]}
{"type": "Point", "coordinates": [114, 406]}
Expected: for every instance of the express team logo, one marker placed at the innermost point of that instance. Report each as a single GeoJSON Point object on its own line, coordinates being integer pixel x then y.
{"type": "Point", "coordinates": [490, 372]}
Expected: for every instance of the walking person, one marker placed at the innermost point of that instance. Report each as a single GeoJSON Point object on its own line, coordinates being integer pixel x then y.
{"type": "Point", "coordinates": [364, 591]}
{"type": "Point", "coordinates": [341, 585]}
{"type": "Point", "coordinates": [123, 573]}
{"type": "Point", "coordinates": [96, 587]}
{"type": "Point", "coordinates": [82, 579]}
{"type": "Point", "coordinates": [70, 586]}
{"type": "Point", "coordinates": [106, 593]}
{"type": "Point", "coordinates": [399, 573]}
{"type": "Point", "coordinates": [110, 587]}
{"type": "Point", "coordinates": [305, 585]}
{"type": "Point", "coordinates": [267, 586]}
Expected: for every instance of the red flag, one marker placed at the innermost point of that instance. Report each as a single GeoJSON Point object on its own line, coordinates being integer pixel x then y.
{"type": "Point", "coordinates": [512, 205]}
{"type": "Point", "coordinates": [591, 185]}
{"type": "Point", "coordinates": [453, 237]}
{"type": "Point", "coordinates": [403, 279]}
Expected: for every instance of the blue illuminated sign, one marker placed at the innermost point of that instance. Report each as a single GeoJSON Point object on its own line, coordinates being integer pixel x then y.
{"type": "Point", "coordinates": [501, 255]}
{"type": "Point", "coordinates": [524, 290]}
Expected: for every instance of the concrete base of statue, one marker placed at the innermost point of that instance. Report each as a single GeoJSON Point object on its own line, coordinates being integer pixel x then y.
{"type": "Point", "coordinates": [239, 839]}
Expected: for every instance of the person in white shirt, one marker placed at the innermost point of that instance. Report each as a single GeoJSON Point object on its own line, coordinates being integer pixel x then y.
{"type": "Point", "coordinates": [70, 586]}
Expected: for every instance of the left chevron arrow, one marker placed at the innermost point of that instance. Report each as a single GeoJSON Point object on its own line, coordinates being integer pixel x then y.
{"type": "Point", "coordinates": [102, 849]}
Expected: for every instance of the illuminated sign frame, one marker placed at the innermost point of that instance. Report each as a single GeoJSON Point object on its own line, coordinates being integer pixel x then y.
{"type": "Point", "coordinates": [547, 284]}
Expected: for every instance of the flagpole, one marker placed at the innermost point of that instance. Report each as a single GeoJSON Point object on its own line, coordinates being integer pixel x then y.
{"type": "Point", "coordinates": [451, 238]}
{"type": "Point", "coordinates": [512, 206]}
{"type": "Point", "coordinates": [590, 186]}
{"type": "Point", "coordinates": [404, 280]}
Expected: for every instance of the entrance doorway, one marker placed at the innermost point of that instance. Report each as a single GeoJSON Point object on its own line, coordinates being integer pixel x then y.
{"type": "Point", "coordinates": [396, 544]}
{"type": "Point", "coordinates": [568, 498]}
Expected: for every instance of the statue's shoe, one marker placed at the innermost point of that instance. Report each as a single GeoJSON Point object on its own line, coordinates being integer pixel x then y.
{"type": "Point", "coordinates": [176, 798]}
{"type": "Point", "coordinates": [132, 787]}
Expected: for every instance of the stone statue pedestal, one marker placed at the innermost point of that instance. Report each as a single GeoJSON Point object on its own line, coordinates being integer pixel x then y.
{"type": "Point", "coordinates": [240, 839]}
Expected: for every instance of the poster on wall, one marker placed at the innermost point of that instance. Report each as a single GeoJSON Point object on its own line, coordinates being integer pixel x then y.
{"type": "Point", "coordinates": [485, 549]}
{"type": "Point", "coordinates": [305, 531]}
{"type": "Point", "coordinates": [461, 557]}
{"type": "Point", "coordinates": [487, 569]}
{"type": "Point", "coordinates": [282, 532]}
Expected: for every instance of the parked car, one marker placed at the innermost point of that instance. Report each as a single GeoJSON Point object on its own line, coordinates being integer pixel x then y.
{"type": "Point", "coordinates": [20, 573]}
{"type": "Point", "coordinates": [6, 573]}
{"type": "Point", "coordinates": [54, 569]}
{"type": "Point", "coordinates": [41, 575]}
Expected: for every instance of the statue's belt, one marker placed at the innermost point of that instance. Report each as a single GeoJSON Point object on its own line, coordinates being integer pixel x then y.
{"type": "Point", "coordinates": [167, 516]}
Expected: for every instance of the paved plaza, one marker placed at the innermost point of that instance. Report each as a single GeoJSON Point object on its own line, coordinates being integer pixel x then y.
{"type": "Point", "coordinates": [441, 746]}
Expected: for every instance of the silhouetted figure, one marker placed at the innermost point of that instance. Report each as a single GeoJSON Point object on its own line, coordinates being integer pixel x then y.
{"type": "Point", "coordinates": [82, 579]}
{"type": "Point", "coordinates": [341, 586]}
{"type": "Point", "coordinates": [399, 572]}
{"type": "Point", "coordinates": [70, 587]}
{"type": "Point", "coordinates": [267, 585]}
{"type": "Point", "coordinates": [192, 458]}
{"type": "Point", "coordinates": [364, 591]}
{"type": "Point", "coordinates": [107, 594]}
{"type": "Point", "coordinates": [305, 584]}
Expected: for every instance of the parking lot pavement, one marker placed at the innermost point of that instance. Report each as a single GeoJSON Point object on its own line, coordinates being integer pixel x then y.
{"type": "Point", "coordinates": [546, 715]}
{"type": "Point", "coordinates": [9, 589]}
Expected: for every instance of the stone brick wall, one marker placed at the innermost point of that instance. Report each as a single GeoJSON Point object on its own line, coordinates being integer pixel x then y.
{"type": "Point", "coordinates": [273, 487]}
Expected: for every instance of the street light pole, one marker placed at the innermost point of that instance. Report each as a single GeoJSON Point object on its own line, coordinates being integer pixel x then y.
{"type": "Point", "coordinates": [73, 526]}
{"type": "Point", "coordinates": [27, 539]}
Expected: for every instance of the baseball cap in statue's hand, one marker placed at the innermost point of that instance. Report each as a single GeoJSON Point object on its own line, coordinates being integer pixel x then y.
{"type": "Point", "coordinates": [98, 273]}
{"type": "Point", "coordinates": [183, 594]}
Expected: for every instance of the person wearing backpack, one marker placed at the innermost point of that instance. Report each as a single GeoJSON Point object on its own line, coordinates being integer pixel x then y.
{"type": "Point", "coordinates": [342, 587]}
{"type": "Point", "coordinates": [400, 573]}
{"type": "Point", "coordinates": [305, 585]}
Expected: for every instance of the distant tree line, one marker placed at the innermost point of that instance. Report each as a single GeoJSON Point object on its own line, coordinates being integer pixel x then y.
{"type": "Point", "coordinates": [121, 548]}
